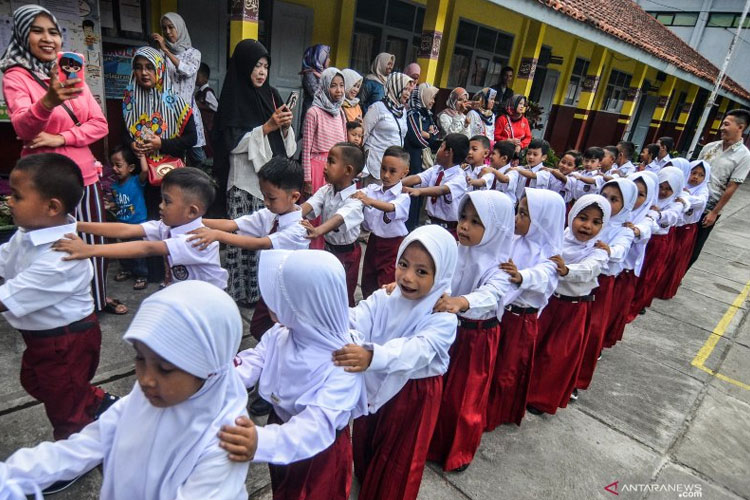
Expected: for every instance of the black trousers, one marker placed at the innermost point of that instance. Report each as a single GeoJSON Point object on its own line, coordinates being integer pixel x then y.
{"type": "Point", "coordinates": [703, 233]}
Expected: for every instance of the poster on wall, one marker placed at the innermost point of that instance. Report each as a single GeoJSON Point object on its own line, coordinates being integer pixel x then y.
{"type": "Point", "coordinates": [117, 70]}
{"type": "Point", "coordinates": [79, 22]}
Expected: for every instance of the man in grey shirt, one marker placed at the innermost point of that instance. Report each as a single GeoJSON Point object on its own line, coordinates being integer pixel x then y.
{"type": "Point", "coordinates": [730, 163]}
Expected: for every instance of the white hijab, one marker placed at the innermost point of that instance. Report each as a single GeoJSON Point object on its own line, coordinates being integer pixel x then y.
{"type": "Point", "coordinates": [306, 289]}
{"type": "Point", "coordinates": [477, 263]}
{"type": "Point", "coordinates": [545, 236]}
{"type": "Point", "coordinates": [683, 165]}
{"type": "Point", "coordinates": [351, 78]}
{"type": "Point", "coordinates": [703, 186]}
{"type": "Point", "coordinates": [629, 192]}
{"type": "Point", "coordinates": [676, 180]}
{"type": "Point", "coordinates": [573, 250]}
{"type": "Point", "coordinates": [196, 327]}
{"type": "Point", "coordinates": [652, 193]}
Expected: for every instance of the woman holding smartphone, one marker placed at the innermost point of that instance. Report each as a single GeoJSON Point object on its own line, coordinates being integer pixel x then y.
{"type": "Point", "coordinates": [252, 125]}
{"type": "Point", "coordinates": [53, 116]}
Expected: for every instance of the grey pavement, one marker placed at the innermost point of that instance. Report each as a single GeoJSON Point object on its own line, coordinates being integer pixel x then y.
{"type": "Point", "coordinates": [654, 424]}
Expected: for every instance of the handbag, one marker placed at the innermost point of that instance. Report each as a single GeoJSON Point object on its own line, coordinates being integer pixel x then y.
{"type": "Point", "coordinates": [157, 170]}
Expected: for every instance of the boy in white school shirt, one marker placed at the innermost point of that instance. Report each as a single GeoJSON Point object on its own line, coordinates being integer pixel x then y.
{"type": "Point", "coordinates": [534, 174]}
{"type": "Point", "coordinates": [49, 299]}
{"type": "Point", "coordinates": [340, 214]}
{"type": "Point", "coordinates": [444, 184]}
{"type": "Point", "coordinates": [186, 195]}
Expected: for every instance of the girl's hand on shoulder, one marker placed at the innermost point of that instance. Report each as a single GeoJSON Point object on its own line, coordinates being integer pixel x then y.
{"type": "Point", "coordinates": [449, 304]}
{"type": "Point", "coordinates": [510, 268]}
{"type": "Point", "coordinates": [354, 358]}
{"type": "Point", "coordinates": [603, 246]}
{"type": "Point", "coordinates": [562, 269]}
{"type": "Point", "coordinates": [240, 441]}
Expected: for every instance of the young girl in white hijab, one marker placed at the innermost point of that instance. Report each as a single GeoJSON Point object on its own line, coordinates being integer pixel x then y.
{"type": "Point", "coordinates": [306, 440]}
{"type": "Point", "coordinates": [539, 226]}
{"type": "Point", "coordinates": [695, 194]}
{"type": "Point", "coordinates": [665, 213]}
{"type": "Point", "coordinates": [621, 195]}
{"type": "Point", "coordinates": [563, 325]}
{"type": "Point", "coordinates": [405, 355]}
{"type": "Point", "coordinates": [485, 232]}
{"type": "Point", "coordinates": [160, 441]}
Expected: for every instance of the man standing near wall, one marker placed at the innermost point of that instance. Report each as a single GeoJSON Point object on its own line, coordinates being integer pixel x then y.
{"type": "Point", "coordinates": [730, 163]}
{"type": "Point", "coordinates": [665, 146]}
{"type": "Point", "coordinates": [504, 92]}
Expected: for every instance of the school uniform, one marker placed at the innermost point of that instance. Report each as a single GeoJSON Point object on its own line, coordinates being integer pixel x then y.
{"type": "Point", "coordinates": [404, 382]}
{"type": "Point", "coordinates": [154, 453]}
{"type": "Point", "coordinates": [49, 301]}
{"type": "Point", "coordinates": [306, 440]}
{"type": "Point", "coordinates": [524, 182]}
{"type": "Point", "coordinates": [663, 162]}
{"type": "Point", "coordinates": [387, 230]}
{"type": "Point", "coordinates": [483, 284]}
{"type": "Point", "coordinates": [185, 261]}
{"type": "Point", "coordinates": [654, 167]}
{"type": "Point", "coordinates": [342, 241]}
{"type": "Point", "coordinates": [519, 327]}
{"type": "Point", "coordinates": [509, 188]}
{"type": "Point", "coordinates": [580, 188]}
{"type": "Point", "coordinates": [442, 209]}
{"type": "Point", "coordinates": [627, 168]}
{"type": "Point", "coordinates": [285, 233]}
{"type": "Point", "coordinates": [564, 323]}
{"type": "Point", "coordinates": [475, 173]}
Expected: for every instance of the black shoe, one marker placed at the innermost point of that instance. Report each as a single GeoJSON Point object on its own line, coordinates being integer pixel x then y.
{"type": "Point", "coordinates": [260, 407]}
{"type": "Point", "coordinates": [642, 311]}
{"type": "Point", "coordinates": [533, 410]}
{"type": "Point", "coordinates": [59, 486]}
{"type": "Point", "coordinates": [461, 469]}
{"type": "Point", "coordinates": [574, 396]}
{"type": "Point", "coordinates": [109, 400]}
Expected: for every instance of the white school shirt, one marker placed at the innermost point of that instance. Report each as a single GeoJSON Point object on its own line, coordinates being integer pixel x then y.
{"type": "Point", "coordinates": [661, 163]}
{"type": "Point", "coordinates": [580, 188]}
{"type": "Point", "coordinates": [627, 168]}
{"type": "Point", "coordinates": [524, 182]}
{"type": "Point", "coordinates": [565, 189]}
{"type": "Point", "coordinates": [289, 235]}
{"type": "Point", "coordinates": [387, 224]}
{"type": "Point", "coordinates": [488, 178]}
{"type": "Point", "coordinates": [446, 206]}
{"type": "Point", "coordinates": [187, 262]}
{"type": "Point", "coordinates": [533, 288]}
{"type": "Point", "coordinates": [307, 430]}
{"type": "Point", "coordinates": [654, 166]}
{"type": "Point", "coordinates": [637, 252]}
{"type": "Point", "coordinates": [512, 184]}
{"type": "Point", "coordinates": [326, 203]}
{"type": "Point", "coordinates": [582, 276]}
{"type": "Point", "coordinates": [671, 215]}
{"type": "Point", "coordinates": [484, 301]}
{"type": "Point", "coordinates": [619, 248]}
{"type": "Point", "coordinates": [696, 204]}
{"type": "Point", "coordinates": [41, 290]}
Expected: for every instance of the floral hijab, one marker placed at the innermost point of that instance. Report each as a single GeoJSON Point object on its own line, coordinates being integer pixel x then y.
{"type": "Point", "coordinates": [322, 97]}
{"type": "Point", "coordinates": [314, 60]}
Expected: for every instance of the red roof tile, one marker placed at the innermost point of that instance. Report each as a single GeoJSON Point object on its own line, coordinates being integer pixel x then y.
{"type": "Point", "coordinates": [626, 20]}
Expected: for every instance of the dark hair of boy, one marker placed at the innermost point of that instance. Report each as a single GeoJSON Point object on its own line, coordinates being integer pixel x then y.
{"type": "Point", "coordinates": [54, 176]}
{"type": "Point", "coordinates": [667, 142]}
{"type": "Point", "coordinates": [127, 155]}
{"type": "Point", "coordinates": [203, 68]}
{"type": "Point", "coordinates": [505, 148]}
{"type": "Point", "coordinates": [194, 182]}
{"type": "Point", "coordinates": [398, 152]}
{"type": "Point", "coordinates": [353, 125]}
{"type": "Point", "coordinates": [458, 144]}
{"type": "Point", "coordinates": [611, 150]}
{"type": "Point", "coordinates": [576, 156]}
{"type": "Point", "coordinates": [481, 138]}
{"type": "Point", "coordinates": [539, 144]}
{"type": "Point", "coordinates": [628, 148]}
{"type": "Point", "coordinates": [352, 155]}
{"type": "Point", "coordinates": [284, 173]}
{"type": "Point", "coordinates": [741, 116]}
{"type": "Point", "coordinates": [653, 150]}
{"type": "Point", "coordinates": [594, 152]}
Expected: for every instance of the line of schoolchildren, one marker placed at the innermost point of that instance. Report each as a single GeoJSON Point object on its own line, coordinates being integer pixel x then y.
{"type": "Point", "coordinates": [466, 322]}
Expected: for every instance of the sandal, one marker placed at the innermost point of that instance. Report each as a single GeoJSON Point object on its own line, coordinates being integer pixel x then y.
{"type": "Point", "coordinates": [123, 276]}
{"type": "Point", "coordinates": [140, 284]}
{"type": "Point", "coordinates": [114, 306]}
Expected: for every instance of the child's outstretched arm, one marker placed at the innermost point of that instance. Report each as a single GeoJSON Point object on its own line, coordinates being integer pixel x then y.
{"type": "Point", "coordinates": [79, 250]}
{"type": "Point", "coordinates": [325, 228]}
{"type": "Point", "coordinates": [227, 225]}
{"type": "Point", "coordinates": [112, 229]}
{"type": "Point", "coordinates": [203, 237]}
{"type": "Point", "coordinates": [526, 173]}
{"type": "Point", "coordinates": [383, 206]}
{"type": "Point", "coordinates": [558, 175]}
{"type": "Point", "coordinates": [411, 180]}
{"type": "Point", "coordinates": [428, 191]}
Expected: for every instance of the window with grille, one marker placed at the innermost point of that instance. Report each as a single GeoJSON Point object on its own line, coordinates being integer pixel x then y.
{"type": "Point", "coordinates": [575, 85]}
{"type": "Point", "coordinates": [479, 56]}
{"type": "Point", "coordinates": [616, 91]}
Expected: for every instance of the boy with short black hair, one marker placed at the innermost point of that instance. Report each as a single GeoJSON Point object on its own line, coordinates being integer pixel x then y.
{"type": "Point", "coordinates": [609, 159]}
{"type": "Point", "coordinates": [355, 133]}
{"type": "Point", "coordinates": [186, 195]}
{"type": "Point", "coordinates": [591, 179]}
{"type": "Point", "coordinates": [477, 177]}
{"type": "Point", "coordinates": [649, 160]}
{"type": "Point", "coordinates": [666, 144]}
{"type": "Point", "coordinates": [625, 151]}
{"type": "Point", "coordinates": [386, 212]}
{"type": "Point", "coordinates": [47, 298]}
{"type": "Point", "coordinates": [444, 183]}
{"type": "Point", "coordinates": [533, 174]}
{"type": "Point", "coordinates": [501, 167]}
{"type": "Point", "coordinates": [340, 214]}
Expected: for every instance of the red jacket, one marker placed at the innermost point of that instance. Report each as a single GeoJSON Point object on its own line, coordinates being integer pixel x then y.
{"type": "Point", "coordinates": [506, 130]}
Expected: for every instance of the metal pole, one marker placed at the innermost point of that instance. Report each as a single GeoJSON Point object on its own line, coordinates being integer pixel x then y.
{"type": "Point", "coordinates": [717, 85]}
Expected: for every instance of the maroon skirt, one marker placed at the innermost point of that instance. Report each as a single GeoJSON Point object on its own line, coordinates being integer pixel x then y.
{"type": "Point", "coordinates": [326, 476]}
{"type": "Point", "coordinates": [467, 387]}
{"type": "Point", "coordinates": [379, 267]}
{"type": "Point", "coordinates": [390, 446]}
{"type": "Point", "coordinates": [600, 312]}
{"type": "Point", "coordinates": [559, 347]}
{"type": "Point", "coordinates": [621, 300]}
{"type": "Point", "coordinates": [657, 251]}
{"type": "Point", "coordinates": [682, 250]}
{"type": "Point", "coordinates": [513, 367]}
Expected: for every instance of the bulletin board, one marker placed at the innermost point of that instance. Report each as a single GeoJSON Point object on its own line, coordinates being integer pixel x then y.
{"type": "Point", "coordinates": [80, 23]}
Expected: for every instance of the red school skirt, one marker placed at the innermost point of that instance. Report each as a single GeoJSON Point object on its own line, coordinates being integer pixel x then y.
{"type": "Point", "coordinates": [600, 312]}
{"type": "Point", "coordinates": [390, 446]}
{"type": "Point", "coordinates": [682, 250]}
{"type": "Point", "coordinates": [379, 267]}
{"type": "Point", "coordinates": [559, 346]}
{"type": "Point", "coordinates": [513, 367]}
{"type": "Point", "coordinates": [467, 387]}
{"type": "Point", "coordinates": [621, 300]}
{"type": "Point", "coordinates": [349, 256]}
{"type": "Point", "coordinates": [326, 476]}
{"type": "Point", "coordinates": [657, 253]}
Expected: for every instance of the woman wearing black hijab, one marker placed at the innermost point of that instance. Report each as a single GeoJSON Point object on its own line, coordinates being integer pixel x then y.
{"type": "Point", "coordinates": [251, 126]}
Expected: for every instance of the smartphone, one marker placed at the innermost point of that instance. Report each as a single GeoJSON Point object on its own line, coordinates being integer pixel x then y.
{"type": "Point", "coordinates": [292, 101]}
{"type": "Point", "coordinates": [69, 66]}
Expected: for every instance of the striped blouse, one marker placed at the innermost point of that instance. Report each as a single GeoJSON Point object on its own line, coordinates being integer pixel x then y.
{"type": "Point", "coordinates": [320, 132]}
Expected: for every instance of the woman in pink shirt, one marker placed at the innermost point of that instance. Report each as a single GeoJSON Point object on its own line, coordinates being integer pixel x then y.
{"type": "Point", "coordinates": [53, 116]}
